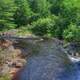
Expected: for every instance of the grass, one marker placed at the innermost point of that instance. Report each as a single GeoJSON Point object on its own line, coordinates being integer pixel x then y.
{"type": "Point", "coordinates": [5, 77]}
{"type": "Point", "coordinates": [23, 31]}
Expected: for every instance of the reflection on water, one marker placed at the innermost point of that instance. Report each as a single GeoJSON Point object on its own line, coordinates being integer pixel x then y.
{"type": "Point", "coordinates": [51, 63]}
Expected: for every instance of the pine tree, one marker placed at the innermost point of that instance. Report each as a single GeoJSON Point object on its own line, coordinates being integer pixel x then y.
{"type": "Point", "coordinates": [7, 9]}
{"type": "Point", "coordinates": [23, 12]}
{"type": "Point", "coordinates": [40, 6]}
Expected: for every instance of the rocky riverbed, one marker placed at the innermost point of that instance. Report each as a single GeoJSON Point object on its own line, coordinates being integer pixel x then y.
{"type": "Point", "coordinates": [11, 59]}
{"type": "Point", "coordinates": [35, 59]}
{"type": "Point", "coordinates": [49, 62]}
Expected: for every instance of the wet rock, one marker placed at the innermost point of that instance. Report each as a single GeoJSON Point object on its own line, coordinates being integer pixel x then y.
{"type": "Point", "coordinates": [19, 65]}
{"type": "Point", "coordinates": [11, 58]}
{"type": "Point", "coordinates": [73, 48]}
{"type": "Point", "coordinates": [13, 71]}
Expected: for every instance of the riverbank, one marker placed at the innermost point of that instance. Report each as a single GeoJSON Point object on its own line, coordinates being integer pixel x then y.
{"type": "Point", "coordinates": [11, 60]}
{"type": "Point", "coordinates": [14, 55]}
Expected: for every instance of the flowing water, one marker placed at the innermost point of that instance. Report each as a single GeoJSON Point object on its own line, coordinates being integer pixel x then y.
{"type": "Point", "coordinates": [50, 62]}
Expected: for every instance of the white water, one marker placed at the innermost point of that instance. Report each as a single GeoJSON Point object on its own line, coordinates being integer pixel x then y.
{"type": "Point", "coordinates": [74, 59]}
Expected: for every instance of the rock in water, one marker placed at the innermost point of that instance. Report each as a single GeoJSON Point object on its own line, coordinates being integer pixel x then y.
{"type": "Point", "coordinates": [50, 62]}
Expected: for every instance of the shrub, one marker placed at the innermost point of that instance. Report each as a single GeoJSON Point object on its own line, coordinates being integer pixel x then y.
{"type": "Point", "coordinates": [44, 26]}
{"type": "Point", "coordinates": [58, 29]}
{"type": "Point", "coordinates": [72, 33]}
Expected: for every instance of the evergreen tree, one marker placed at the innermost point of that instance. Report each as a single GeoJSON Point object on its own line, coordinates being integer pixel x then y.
{"type": "Point", "coordinates": [71, 10]}
{"type": "Point", "coordinates": [7, 9]}
{"type": "Point", "coordinates": [55, 6]}
{"type": "Point", "coordinates": [42, 7]}
{"type": "Point", "coordinates": [23, 12]}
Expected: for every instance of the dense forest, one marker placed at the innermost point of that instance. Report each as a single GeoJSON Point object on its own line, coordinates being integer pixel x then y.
{"type": "Point", "coordinates": [51, 18]}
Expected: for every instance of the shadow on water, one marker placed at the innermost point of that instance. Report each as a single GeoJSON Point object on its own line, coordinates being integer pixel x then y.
{"type": "Point", "coordinates": [50, 63]}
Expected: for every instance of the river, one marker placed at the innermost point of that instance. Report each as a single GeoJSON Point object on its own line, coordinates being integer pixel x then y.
{"type": "Point", "coordinates": [50, 63]}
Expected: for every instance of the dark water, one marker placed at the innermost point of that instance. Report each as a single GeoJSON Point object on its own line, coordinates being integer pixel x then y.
{"type": "Point", "coordinates": [51, 63]}
{"type": "Point", "coordinates": [36, 71]}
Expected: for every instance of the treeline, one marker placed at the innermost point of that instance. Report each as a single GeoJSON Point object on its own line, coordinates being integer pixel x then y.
{"type": "Point", "coordinates": [52, 18]}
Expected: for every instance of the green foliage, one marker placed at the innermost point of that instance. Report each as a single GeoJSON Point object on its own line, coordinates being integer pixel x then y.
{"type": "Point", "coordinates": [71, 10]}
{"type": "Point", "coordinates": [40, 6]}
{"type": "Point", "coordinates": [72, 33]}
{"type": "Point", "coordinates": [23, 13]}
{"type": "Point", "coordinates": [40, 27]}
{"type": "Point", "coordinates": [7, 9]}
{"type": "Point", "coordinates": [44, 26]}
{"type": "Point", "coordinates": [52, 26]}
{"type": "Point", "coordinates": [38, 15]}
{"type": "Point", "coordinates": [55, 6]}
